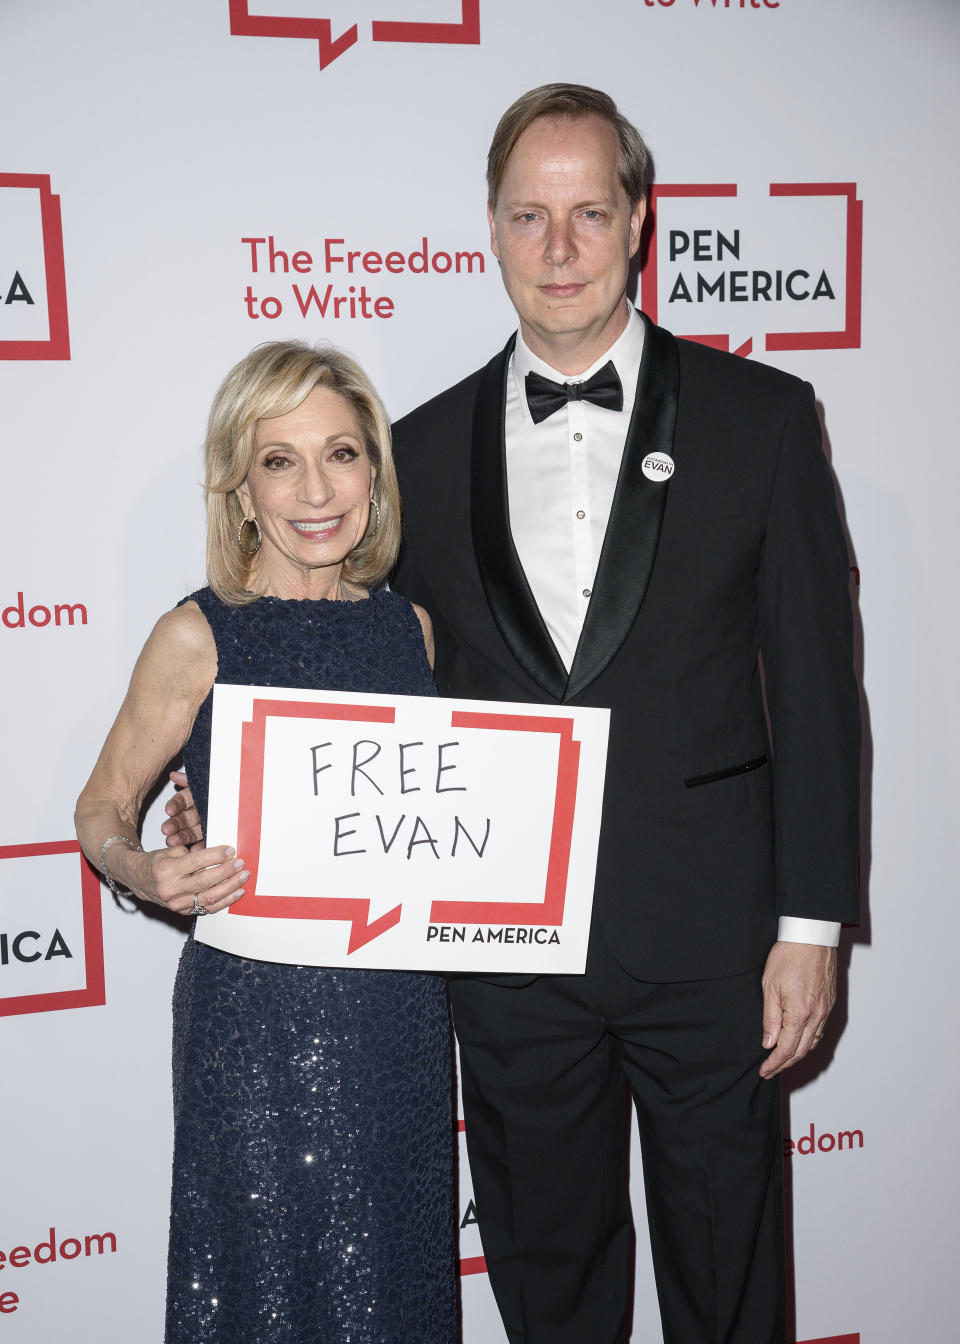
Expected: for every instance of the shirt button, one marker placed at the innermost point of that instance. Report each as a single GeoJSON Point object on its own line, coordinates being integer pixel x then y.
{"type": "Point", "coordinates": [586, 592]}
{"type": "Point", "coordinates": [580, 513]}
{"type": "Point", "coordinates": [577, 438]}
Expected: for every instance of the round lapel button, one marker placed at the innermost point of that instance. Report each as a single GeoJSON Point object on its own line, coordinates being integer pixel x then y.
{"type": "Point", "coordinates": [658, 466]}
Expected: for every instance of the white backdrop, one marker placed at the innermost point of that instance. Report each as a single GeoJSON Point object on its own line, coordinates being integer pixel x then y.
{"type": "Point", "coordinates": [166, 140]}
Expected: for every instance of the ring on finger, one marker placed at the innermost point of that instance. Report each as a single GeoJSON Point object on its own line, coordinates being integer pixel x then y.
{"type": "Point", "coordinates": [198, 909]}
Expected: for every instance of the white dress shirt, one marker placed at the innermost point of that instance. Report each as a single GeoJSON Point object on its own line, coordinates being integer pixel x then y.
{"type": "Point", "coordinates": [561, 478]}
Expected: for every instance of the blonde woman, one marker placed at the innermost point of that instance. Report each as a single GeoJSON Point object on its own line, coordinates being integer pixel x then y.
{"type": "Point", "coordinates": [312, 1188]}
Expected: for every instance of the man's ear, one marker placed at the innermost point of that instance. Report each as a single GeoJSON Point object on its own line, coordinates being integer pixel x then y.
{"type": "Point", "coordinates": [493, 232]}
{"type": "Point", "coordinates": [637, 216]}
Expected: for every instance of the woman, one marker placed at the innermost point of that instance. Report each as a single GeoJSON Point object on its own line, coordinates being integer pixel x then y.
{"type": "Point", "coordinates": [312, 1189]}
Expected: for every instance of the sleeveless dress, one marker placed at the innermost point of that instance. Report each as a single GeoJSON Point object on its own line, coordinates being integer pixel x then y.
{"type": "Point", "coordinates": [313, 1117]}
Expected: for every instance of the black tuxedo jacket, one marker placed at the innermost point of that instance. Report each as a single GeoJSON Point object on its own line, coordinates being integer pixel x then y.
{"type": "Point", "coordinates": [708, 832]}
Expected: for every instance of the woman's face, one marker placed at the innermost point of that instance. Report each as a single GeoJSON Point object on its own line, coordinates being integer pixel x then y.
{"type": "Point", "coordinates": [309, 488]}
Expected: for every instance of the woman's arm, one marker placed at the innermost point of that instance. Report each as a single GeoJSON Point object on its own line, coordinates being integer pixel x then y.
{"type": "Point", "coordinates": [173, 674]}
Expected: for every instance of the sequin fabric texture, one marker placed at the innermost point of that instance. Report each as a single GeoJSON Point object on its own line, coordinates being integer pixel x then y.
{"type": "Point", "coordinates": [312, 1187]}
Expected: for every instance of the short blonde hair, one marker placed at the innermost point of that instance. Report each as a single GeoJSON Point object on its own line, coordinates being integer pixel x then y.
{"type": "Point", "coordinates": [572, 102]}
{"type": "Point", "coordinates": [273, 380]}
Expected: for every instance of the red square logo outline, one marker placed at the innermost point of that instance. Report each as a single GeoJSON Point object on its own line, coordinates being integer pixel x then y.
{"type": "Point", "coordinates": [549, 911]}
{"type": "Point", "coordinates": [649, 277]}
{"type": "Point", "coordinates": [848, 338]}
{"type": "Point", "coordinates": [93, 995]}
{"type": "Point", "coordinates": [57, 346]}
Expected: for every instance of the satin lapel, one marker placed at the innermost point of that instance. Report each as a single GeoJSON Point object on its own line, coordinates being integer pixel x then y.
{"type": "Point", "coordinates": [504, 582]}
{"type": "Point", "coordinates": [633, 532]}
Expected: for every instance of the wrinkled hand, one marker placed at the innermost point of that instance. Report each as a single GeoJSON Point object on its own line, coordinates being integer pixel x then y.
{"type": "Point", "coordinates": [799, 990]}
{"type": "Point", "coordinates": [183, 827]}
{"type": "Point", "coordinates": [172, 877]}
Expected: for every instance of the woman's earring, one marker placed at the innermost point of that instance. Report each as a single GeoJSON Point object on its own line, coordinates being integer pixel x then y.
{"type": "Point", "coordinates": [242, 537]}
{"type": "Point", "coordinates": [376, 508]}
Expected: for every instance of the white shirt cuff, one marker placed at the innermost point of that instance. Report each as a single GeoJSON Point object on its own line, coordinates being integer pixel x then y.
{"type": "Point", "coordinates": [821, 932]}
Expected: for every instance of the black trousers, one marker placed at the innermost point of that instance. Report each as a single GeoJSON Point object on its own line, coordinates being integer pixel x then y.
{"type": "Point", "coordinates": [546, 1069]}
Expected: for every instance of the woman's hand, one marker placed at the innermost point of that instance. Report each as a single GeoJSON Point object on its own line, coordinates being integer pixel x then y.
{"type": "Point", "coordinates": [173, 877]}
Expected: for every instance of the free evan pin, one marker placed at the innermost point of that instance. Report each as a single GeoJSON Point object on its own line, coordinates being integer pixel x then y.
{"type": "Point", "coordinates": [658, 466]}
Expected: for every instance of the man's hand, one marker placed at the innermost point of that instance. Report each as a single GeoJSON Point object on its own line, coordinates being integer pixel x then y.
{"type": "Point", "coordinates": [183, 828]}
{"type": "Point", "coordinates": [799, 990]}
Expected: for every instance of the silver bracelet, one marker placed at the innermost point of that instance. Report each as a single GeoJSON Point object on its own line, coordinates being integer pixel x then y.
{"type": "Point", "coordinates": [125, 840]}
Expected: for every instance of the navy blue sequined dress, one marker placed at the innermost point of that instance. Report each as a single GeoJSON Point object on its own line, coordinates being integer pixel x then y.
{"type": "Point", "coordinates": [312, 1186]}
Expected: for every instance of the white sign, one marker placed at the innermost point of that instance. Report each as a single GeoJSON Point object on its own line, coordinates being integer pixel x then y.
{"type": "Point", "coordinates": [406, 832]}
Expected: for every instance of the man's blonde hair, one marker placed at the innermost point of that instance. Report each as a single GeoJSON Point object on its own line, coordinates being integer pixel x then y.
{"type": "Point", "coordinates": [573, 102]}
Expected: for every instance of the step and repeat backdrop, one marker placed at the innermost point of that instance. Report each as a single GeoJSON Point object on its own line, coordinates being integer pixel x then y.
{"type": "Point", "coordinates": [182, 180]}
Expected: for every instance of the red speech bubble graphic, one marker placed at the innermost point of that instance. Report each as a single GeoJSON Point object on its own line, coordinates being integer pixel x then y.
{"type": "Point", "coordinates": [356, 909]}
{"type": "Point", "coordinates": [846, 338]}
{"type": "Point", "coordinates": [549, 911]}
{"type": "Point", "coordinates": [57, 345]}
{"type": "Point", "coordinates": [245, 24]}
{"type": "Point", "coordinates": [93, 993]}
{"type": "Point", "coordinates": [467, 31]}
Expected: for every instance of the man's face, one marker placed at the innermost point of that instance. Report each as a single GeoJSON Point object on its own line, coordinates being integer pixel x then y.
{"type": "Point", "coordinates": [564, 232]}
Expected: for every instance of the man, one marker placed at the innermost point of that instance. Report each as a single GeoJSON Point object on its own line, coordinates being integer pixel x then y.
{"type": "Point", "coordinates": [556, 570]}
{"type": "Point", "coordinates": [607, 516]}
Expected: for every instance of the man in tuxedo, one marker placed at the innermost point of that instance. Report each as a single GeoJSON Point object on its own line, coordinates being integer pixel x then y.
{"type": "Point", "coordinates": [605, 515]}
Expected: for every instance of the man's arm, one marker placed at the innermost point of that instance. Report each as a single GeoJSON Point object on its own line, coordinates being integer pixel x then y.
{"type": "Point", "coordinates": [806, 635]}
{"type": "Point", "coordinates": [183, 826]}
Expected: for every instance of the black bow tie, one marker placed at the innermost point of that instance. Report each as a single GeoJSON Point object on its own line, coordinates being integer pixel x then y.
{"type": "Point", "coordinates": [603, 389]}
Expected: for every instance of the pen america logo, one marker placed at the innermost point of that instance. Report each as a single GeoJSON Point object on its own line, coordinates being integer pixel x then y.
{"type": "Point", "coordinates": [746, 269]}
{"type": "Point", "coordinates": [459, 24]}
{"type": "Point", "coordinates": [33, 290]}
{"type": "Point", "coordinates": [51, 932]}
